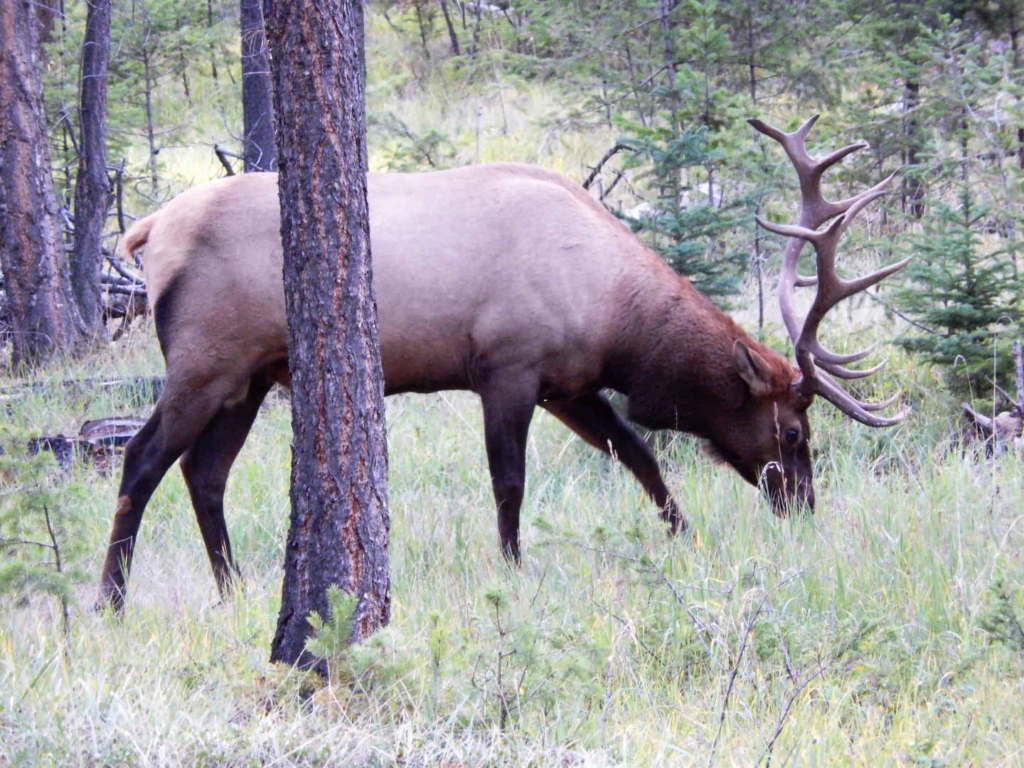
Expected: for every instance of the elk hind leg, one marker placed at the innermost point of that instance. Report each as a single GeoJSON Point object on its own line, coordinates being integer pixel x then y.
{"type": "Point", "coordinates": [179, 417]}
{"type": "Point", "coordinates": [594, 419]}
{"type": "Point", "coordinates": [205, 467]}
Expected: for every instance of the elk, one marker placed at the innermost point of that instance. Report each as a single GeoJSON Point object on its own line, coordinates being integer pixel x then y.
{"type": "Point", "coordinates": [506, 280]}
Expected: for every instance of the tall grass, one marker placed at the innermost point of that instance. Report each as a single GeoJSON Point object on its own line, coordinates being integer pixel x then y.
{"type": "Point", "coordinates": [862, 635]}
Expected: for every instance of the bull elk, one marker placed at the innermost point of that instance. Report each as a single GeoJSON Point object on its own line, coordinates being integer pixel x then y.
{"type": "Point", "coordinates": [506, 280]}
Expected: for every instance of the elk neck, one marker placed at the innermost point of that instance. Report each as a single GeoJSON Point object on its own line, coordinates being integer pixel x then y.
{"type": "Point", "coordinates": [673, 357]}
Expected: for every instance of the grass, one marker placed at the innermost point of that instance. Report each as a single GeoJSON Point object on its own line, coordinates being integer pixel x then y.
{"type": "Point", "coordinates": [864, 635]}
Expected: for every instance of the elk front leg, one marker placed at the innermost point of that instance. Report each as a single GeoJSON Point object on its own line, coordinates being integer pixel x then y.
{"type": "Point", "coordinates": [594, 419]}
{"type": "Point", "coordinates": [508, 407]}
{"type": "Point", "coordinates": [205, 467]}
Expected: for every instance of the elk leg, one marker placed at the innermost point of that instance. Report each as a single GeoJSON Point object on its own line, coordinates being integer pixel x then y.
{"type": "Point", "coordinates": [205, 467]}
{"type": "Point", "coordinates": [179, 417]}
{"type": "Point", "coordinates": [508, 409]}
{"type": "Point", "coordinates": [594, 419]}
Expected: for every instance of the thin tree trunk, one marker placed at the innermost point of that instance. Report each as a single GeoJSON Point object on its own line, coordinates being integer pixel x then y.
{"type": "Point", "coordinates": [1015, 47]}
{"type": "Point", "coordinates": [150, 127]}
{"type": "Point", "coordinates": [42, 311]}
{"type": "Point", "coordinates": [339, 521]}
{"type": "Point", "coordinates": [92, 190]}
{"type": "Point", "coordinates": [913, 190]}
{"type": "Point", "coordinates": [476, 29]}
{"type": "Point", "coordinates": [259, 152]}
{"type": "Point", "coordinates": [421, 22]}
{"type": "Point", "coordinates": [451, 27]}
{"type": "Point", "coordinates": [213, 48]}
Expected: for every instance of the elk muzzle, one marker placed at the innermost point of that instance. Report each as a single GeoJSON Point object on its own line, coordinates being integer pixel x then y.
{"type": "Point", "coordinates": [786, 491]}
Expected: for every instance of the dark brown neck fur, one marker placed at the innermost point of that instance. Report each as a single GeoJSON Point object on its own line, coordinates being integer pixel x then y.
{"type": "Point", "coordinates": [674, 358]}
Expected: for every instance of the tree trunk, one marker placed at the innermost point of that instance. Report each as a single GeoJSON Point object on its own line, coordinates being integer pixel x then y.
{"type": "Point", "coordinates": [339, 520]}
{"type": "Point", "coordinates": [476, 29]}
{"type": "Point", "coordinates": [43, 316]}
{"type": "Point", "coordinates": [92, 188]}
{"type": "Point", "coordinates": [259, 152]}
{"type": "Point", "coordinates": [451, 27]}
{"type": "Point", "coordinates": [150, 84]}
{"type": "Point", "coordinates": [913, 189]}
{"type": "Point", "coordinates": [1015, 47]}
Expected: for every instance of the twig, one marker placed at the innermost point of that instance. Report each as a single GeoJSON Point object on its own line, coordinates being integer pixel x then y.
{"type": "Point", "coordinates": [600, 163]}
{"type": "Point", "coordinates": [791, 699]}
{"type": "Point", "coordinates": [619, 175]}
{"type": "Point", "coordinates": [65, 616]}
{"type": "Point", "coordinates": [223, 155]}
{"type": "Point", "coordinates": [739, 658]}
{"type": "Point", "coordinates": [900, 315]}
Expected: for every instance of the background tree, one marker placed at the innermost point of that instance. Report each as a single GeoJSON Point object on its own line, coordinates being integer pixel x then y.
{"type": "Point", "coordinates": [339, 521]}
{"type": "Point", "coordinates": [258, 149]}
{"type": "Point", "coordinates": [42, 311]}
{"type": "Point", "coordinates": [92, 188]}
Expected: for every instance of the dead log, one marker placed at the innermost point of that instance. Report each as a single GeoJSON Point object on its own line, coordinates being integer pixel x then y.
{"type": "Point", "coordinates": [96, 442]}
{"type": "Point", "coordinates": [1000, 430]}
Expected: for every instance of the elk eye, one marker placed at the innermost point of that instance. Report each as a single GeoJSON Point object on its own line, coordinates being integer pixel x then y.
{"type": "Point", "coordinates": [792, 435]}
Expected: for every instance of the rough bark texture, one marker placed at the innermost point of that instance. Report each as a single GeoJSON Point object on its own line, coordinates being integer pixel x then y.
{"type": "Point", "coordinates": [339, 522]}
{"type": "Point", "coordinates": [257, 101]}
{"type": "Point", "coordinates": [92, 188]}
{"type": "Point", "coordinates": [43, 316]}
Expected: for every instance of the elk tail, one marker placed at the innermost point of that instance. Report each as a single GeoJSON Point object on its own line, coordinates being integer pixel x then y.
{"type": "Point", "coordinates": [136, 236]}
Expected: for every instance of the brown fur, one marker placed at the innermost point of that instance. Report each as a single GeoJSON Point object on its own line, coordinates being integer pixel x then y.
{"type": "Point", "coordinates": [503, 279]}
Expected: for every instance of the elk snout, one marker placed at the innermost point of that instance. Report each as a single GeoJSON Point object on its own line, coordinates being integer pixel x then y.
{"type": "Point", "coordinates": [786, 492]}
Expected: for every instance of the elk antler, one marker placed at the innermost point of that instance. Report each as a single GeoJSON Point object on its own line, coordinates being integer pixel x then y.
{"type": "Point", "coordinates": [815, 361]}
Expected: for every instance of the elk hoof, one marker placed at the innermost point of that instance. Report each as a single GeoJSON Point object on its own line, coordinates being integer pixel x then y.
{"type": "Point", "coordinates": [676, 522]}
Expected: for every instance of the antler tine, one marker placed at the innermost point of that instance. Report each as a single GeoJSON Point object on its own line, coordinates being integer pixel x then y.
{"type": "Point", "coordinates": [815, 209]}
{"type": "Point", "coordinates": [842, 372]}
{"type": "Point", "coordinates": [817, 363]}
{"type": "Point", "coordinates": [827, 388]}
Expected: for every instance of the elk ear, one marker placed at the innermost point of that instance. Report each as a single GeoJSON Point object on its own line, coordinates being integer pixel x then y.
{"type": "Point", "coordinates": [752, 368]}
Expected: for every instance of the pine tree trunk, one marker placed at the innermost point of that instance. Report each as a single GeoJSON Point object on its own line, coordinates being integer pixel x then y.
{"type": "Point", "coordinates": [339, 520]}
{"type": "Point", "coordinates": [259, 151]}
{"type": "Point", "coordinates": [43, 316]}
{"type": "Point", "coordinates": [92, 188]}
{"type": "Point", "coordinates": [451, 28]}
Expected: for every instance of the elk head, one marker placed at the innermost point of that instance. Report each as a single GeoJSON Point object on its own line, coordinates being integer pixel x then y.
{"type": "Point", "coordinates": [787, 481]}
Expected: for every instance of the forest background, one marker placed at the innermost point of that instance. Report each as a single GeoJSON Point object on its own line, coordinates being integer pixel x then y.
{"type": "Point", "coordinates": [883, 629]}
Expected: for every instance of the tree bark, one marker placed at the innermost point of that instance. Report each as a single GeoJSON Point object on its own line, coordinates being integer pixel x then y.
{"type": "Point", "coordinates": [339, 520]}
{"type": "Point", "coordinates": [259, 152]}
{"type": "Point", "coordinates": [92, 187]}
{"type": "Point", "coordinates": [43, 315]}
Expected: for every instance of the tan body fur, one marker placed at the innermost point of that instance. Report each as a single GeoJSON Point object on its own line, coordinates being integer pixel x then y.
{"type": "Point", "coordinates": [502, 279]}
